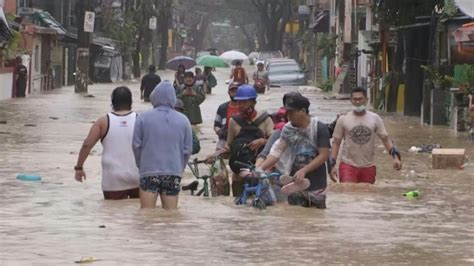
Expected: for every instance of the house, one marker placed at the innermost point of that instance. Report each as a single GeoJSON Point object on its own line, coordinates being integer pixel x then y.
{"type": "Point", "coordinates": [6, 73]}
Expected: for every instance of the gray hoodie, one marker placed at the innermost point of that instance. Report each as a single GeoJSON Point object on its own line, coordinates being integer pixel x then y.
{"type": "Point", "coordinates": [162, 139]}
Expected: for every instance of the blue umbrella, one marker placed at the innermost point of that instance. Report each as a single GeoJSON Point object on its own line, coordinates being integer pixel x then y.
{"type": "Point", "coordinates": [174, 63]}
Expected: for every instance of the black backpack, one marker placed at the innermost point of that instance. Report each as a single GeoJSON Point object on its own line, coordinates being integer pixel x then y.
{"type": "Point", "coordinates": [239, 152]}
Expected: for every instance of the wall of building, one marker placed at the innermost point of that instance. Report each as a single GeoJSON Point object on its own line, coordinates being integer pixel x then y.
{"type": "Point", "coordinates": [6, 81]}
{"type": "Point", "coordinates": [9, 6]}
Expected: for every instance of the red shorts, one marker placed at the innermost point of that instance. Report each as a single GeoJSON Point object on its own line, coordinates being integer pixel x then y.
{"type": "Point", "coordinates": [133, 193]}
{"type": "Point", "coordinates": [352, 174]}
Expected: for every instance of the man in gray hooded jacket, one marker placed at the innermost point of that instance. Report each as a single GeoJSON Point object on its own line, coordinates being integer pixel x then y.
{"type": "Point", "coordinates": [162, 145]}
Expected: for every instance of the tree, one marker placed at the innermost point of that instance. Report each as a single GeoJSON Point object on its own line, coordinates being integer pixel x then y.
{"type": "Point", "coordinates": [272, 15]}
{"type": "Point", "coordinates": [245, 18]}
{"type": "Point", "coordinates": [164, 17]}
{"type": "Point", "coordinates": [404, 12]}
{"type": "Point", "coordinates": [144, 11]}
{"type": "Point", "coordinates": [123, 29]}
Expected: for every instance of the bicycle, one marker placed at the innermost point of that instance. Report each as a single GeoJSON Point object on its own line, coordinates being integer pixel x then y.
{"type": "Point", "coordinates": [218, 178]}
{"type": "Point", "coordinates": [257, 183]}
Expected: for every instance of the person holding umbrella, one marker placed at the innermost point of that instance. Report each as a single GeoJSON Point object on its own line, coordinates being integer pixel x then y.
{"type": "Point", "coordinates": [180, 64]}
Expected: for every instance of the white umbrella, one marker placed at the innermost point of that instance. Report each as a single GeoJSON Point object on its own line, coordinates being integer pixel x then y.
{"type": "Point", "coordinates": [466, 6]}
{"type": "Point", "coordinates": [234, 55]}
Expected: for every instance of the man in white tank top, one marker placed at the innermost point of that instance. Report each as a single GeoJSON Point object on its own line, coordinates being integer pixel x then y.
{"type": "Point", "coordinates": [120, 178]}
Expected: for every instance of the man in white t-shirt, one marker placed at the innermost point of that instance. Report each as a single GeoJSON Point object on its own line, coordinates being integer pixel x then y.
{"type": "Point", "coordinates": [359, 129]}
{"type": "Point", "coordinates": [120, 176]}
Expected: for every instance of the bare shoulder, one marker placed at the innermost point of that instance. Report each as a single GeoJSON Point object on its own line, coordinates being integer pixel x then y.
{"type": "Point", "coordinates": [102, 122]}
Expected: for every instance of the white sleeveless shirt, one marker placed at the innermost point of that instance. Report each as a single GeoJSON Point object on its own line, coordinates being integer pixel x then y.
{"type": "Point", "coordinates": [119, 171]}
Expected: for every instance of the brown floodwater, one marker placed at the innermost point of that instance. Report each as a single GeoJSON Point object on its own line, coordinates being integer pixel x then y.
{"type": "Point", "coordinates": [58, 220]}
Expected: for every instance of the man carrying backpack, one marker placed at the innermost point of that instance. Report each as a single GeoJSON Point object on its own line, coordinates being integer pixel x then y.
{"type": "Point", "coordinates": [307, 139]}
{"type": "Point", "coordinates": [247, 134]}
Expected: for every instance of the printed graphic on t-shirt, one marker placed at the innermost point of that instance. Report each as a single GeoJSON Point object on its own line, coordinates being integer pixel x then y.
{"type": "Point", "coordinates": [123, 124]}
{"type": "Point", "coordinates": [304, 154]}
{"type": "Point", "coordinates": [360, 134]}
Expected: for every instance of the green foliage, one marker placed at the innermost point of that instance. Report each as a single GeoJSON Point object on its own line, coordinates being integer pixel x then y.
{"type": "Point", "coordinates": [327, 45]}
{"type": "Point", "coordinates": [465, 78]}
{"type": "Point", "coordinates": [404, 12]}
{"type": "Point", "coordinates": [124, 32]}
{"type": "Point", "coordinates": [434, 75]}
{"type": "Point", "coordinates": [308, 39]}
{"type": "Point", "coordinates": [10, 50]}
{"type": "Point", "coordinates": [326, 85]}
{"type": "Point", "coordinates": [450, 9]}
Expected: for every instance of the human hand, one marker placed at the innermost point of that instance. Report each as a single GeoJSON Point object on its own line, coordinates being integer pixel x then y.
{"type": "Point", "coordinates": [299, 176]}
{"type": "Point", "coordinates": [334, 176]}
{"type": "Point", "coordinates": [397, 164]}
{"type": "Point", "coordinates": [256, 144]}
{"type": "Point", "coordinates": [80, 175]}
{"type": "Point", "coordinates": [245, 173]}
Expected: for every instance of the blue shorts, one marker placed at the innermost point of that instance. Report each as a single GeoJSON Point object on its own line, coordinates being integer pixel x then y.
{"type": "Point", "coordinates": [168, 184]}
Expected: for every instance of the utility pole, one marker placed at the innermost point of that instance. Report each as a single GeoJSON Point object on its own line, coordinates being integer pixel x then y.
{"type": "Point", "coordinates": [86, 28]}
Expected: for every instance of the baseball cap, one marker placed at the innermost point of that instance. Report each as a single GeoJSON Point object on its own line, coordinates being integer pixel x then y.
{"type": "Point", "coordinates": [297, 102]}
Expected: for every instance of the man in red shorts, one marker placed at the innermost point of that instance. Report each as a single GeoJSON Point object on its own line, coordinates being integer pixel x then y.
{"type": "Point", "coordinates": [359, 129]}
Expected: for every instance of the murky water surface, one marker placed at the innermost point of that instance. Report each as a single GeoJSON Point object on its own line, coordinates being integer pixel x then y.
{"type": "Point", "coordinates": [58, 220]}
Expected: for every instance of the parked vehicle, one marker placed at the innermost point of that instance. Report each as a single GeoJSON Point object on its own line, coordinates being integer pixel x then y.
{"type": "Point", "coordinates": [279, 61]}
{"type": "Point", "coordinates": [264, 56]}
{"type": "Point", "coordinates": [286, 75]}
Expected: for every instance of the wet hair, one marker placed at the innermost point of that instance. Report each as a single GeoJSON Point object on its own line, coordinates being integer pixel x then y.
{"type": "Point", "coordinates": [359, 89]}
{"type": "Point", "coordinates": [152, 68]}
{"type": "Point", "coordinates": [238, 63]}
{"type": "Point", "coordinates": [189, 74]}
{"type": "Point", "coordinates": [121, 99]}
{"type": "Point", "coordinates": [289, 95]}
{"type": "Point", "coordinates": [197, 70]}
{"type": "Point", "coordinates": [181, 67]}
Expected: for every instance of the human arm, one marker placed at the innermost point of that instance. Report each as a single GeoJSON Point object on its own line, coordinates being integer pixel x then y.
{"type": "Point", "coordinates": [219, 121]}
{"type": "Point", "coordinates": [388, 143]}
{"type": "Point", "coordinates": [393, 151]}
{"type": "Point", "coordinates": [231, 131]}
{"type": "Point", "coordinates": [231, 74]}
{"type": "Point", "coordinates": [188, 144]}
{"type": "Point", "coordinates": [142, 88]}
{"type": "Point", "coordinates": [268, 146]}
{"type": "Point", "coordinates": [471, 104]}
{"type": "Point", "coordinates": [137, 140]}
{"type": "Point", "coordinates": [199, 96]}
{"type": "Point", "coordinates": [142, 85]}
{"type": "Point", "coordinates": [337, 135]}
{"type": "Point", "coordinates": [276, 150]}
{"type": "Point", "coordinates": [96, 132]}
{"type": "Point", "coordinates": [267, 131]}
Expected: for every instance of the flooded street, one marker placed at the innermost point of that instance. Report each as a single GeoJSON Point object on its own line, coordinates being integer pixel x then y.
{"type": "Point", "coordinates": [58, 220]}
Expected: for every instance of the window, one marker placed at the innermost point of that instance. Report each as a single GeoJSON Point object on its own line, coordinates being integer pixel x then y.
{"type": "Point", "coordinates": [22, 3]}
